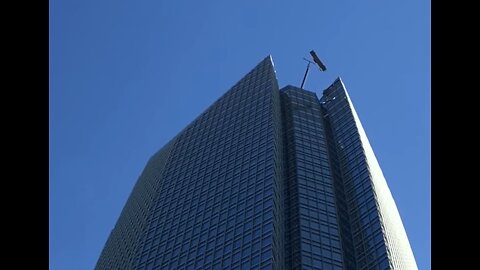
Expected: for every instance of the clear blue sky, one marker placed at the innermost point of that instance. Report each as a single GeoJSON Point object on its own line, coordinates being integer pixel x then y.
{"type": "Point", "coordinates": [126, 76]}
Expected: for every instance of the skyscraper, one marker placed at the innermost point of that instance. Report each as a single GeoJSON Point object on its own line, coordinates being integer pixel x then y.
{"type": "Point", "coordinates": [263, 179]}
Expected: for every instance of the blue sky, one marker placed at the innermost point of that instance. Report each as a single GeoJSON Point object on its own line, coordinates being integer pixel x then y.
{"type": "Point", "coordinates": [126, 76]}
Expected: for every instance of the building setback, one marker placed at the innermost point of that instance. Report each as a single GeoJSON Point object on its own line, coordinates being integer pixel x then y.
{"type": "Point", "coordinates": [265, 178]}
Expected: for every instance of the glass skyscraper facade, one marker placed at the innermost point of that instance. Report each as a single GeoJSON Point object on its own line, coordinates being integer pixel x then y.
{"type": "Point", "coordinates": [265, 178]}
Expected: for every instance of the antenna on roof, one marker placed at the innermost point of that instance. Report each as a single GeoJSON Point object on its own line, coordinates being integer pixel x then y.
{"type": "Point", "coordinates": [317, 61]}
